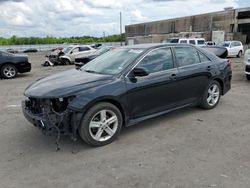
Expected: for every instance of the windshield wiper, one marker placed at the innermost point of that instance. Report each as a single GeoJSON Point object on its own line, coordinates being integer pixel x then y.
{"type": "Point", "coordinates": [91, 71]}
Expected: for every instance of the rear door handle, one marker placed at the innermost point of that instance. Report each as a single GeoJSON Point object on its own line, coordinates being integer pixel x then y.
{"type": "Point", "coordinates": [209, 68]}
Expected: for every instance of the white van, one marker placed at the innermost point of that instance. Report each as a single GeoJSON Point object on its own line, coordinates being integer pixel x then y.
{"type": "Point", "coordinates": [194, 41]}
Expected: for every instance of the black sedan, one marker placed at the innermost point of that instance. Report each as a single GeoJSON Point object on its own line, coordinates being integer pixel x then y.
{"type": "Point", "coordinates": [11, 65]}
{"type": "Point", "coordinates": [83, 60]}
{"type": "Point", "coordinates": [125, 86]}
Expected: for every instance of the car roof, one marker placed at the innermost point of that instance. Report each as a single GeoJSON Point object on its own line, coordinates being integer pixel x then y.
{"type": "Point", "coordinates": [154, 45]}
{"type": "Point", "coordinates": [232, 41]}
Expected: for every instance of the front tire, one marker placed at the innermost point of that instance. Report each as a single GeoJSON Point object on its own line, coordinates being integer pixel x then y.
{"type": "Point", "coordinates": [101, 124]}
{"type": "Point", "coordinates": [9, 71]}
{"type": "Point", "coordinates": [211, 96]}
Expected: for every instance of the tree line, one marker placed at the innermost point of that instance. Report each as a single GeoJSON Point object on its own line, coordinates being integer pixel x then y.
{"type": "Point", "coordinates": [15, 40]}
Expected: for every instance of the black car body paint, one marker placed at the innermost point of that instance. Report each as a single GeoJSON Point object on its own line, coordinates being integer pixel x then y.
{"type": "Point", "coordinates": [53, 103]}
{"type": "Point", "coordinates": [19, 61]}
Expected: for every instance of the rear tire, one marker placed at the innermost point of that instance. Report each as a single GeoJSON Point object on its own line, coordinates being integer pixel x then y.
{"type": "Point", "coordinates": [239, 54]}
{"type": "Point", "coordinates": [248, 77]}
{"type": "Point", "coordinates": [8, 71]}
{"type": "Point", "coordinates": [101, 124]}
{"type": "Point", "coordinates": [211, 96]}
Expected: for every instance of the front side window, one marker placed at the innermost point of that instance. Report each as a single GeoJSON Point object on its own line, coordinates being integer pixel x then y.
{"type": "Point", "coordinates": [66, 50]}
{"type": "Point", "coordinates": [186, 56]}
{"type": "Point", "coordinates": [157, 60]}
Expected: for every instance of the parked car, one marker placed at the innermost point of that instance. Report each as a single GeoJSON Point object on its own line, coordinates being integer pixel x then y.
{"type": "Point", "coordinates": [80, 61]}
{"type": "Point", "coordinates": [30, 50]}
{"type": "Point", "coordinates": [210, 43]}
{"type": "Point", "coordinates": [76, 52]}
{"type": "Point", "coordinates": [125, 86]}
{"type": "Point", "coordinates": [194, 41]}
{"type": "Point", "coordinates": [234, 48]}
{"type": "Point", "coordinates": [11, 50]}
{"type": "Point", "coordinates": [247, 63]}
{"type": "Point", "coordinates": [11, 65]}
{"type": "Point", "coordinates": [53, 58]}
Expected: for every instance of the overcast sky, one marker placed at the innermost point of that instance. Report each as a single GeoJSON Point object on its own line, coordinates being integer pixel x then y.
{"type": "Point", "coordinates": [94, 17]}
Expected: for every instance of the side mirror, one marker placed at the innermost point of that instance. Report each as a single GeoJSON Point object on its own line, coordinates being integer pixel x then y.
{"type": "Point", "coordinates": [139, 72]}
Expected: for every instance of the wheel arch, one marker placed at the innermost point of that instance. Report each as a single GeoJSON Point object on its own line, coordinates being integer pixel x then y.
{"type": "Point", "coordinates": [221, 84]}
{"type": "Point", "coordinates": [9, 63]}
{"type": "Point", "coordinates": [113, 101]}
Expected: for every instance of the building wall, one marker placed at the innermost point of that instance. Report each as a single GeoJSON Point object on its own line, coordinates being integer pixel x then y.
{"type": "Point", "coordinates": [191, 26]}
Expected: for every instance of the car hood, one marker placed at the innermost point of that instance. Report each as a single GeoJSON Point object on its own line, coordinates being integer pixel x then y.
{"type": "Point", "coordinates": [64, 84]}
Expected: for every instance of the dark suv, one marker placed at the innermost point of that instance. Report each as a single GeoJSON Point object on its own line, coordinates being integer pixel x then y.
{"type": "Point", "coordinates": [125, 86]}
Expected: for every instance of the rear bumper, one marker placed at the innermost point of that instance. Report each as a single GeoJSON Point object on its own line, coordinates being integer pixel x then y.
{"type": "Point", "coordinates": [227, 82]}
{"type": "Point", "coordinates": [24, 67]}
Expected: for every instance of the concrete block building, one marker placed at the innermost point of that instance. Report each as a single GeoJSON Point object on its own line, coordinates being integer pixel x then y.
{"type": "Point", "coordinates": [233, 23]}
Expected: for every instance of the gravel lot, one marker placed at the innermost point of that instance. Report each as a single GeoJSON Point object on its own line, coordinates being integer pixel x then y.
{"type": "Point", "coordinates": [185, 149]}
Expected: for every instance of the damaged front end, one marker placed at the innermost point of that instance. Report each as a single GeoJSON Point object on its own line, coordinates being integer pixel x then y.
{"type": "Point", "coordinates": [52, 116]}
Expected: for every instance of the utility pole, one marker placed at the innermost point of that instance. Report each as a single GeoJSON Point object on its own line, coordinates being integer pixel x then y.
{"type": "Point", "coordinates": [121, 26]}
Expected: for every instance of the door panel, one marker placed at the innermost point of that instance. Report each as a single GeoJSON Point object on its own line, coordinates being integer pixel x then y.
{"type": "Point", "coordinates": [194, 73]}
{"type": "Point", "coordinates": [157, 91]}
{"type": "Point", "coordinates": [153, 93]}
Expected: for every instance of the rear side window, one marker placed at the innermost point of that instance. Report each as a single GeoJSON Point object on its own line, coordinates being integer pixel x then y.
{"type": "Point", "coordinates": [157, 60]}
{"type": "Point", "coordinates": [186, 56]}
{"type": "Point", "coordinates": [192, 42]}
{"type": "Point", "coordinates": [200, 41]}
{"type": "Point", "coordinates": [84, 49]}
{"type": "Point", "coordinates": [238, 44]}
{"type": "Point", "coordinates": [203, 58]}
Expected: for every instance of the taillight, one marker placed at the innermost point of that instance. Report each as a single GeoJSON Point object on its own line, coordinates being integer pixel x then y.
{"type": "Point", "coordinates": [229, 62]}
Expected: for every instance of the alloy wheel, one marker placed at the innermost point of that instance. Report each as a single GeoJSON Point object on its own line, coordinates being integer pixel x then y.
{"type": "Point", "coordinates": [213, 95]}
{"type": "Point", "coordinates": [103, 125]}
{"type": "Point", "coordinates": [9, 71]}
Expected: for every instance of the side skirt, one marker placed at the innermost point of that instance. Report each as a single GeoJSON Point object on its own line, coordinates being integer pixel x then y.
{"type": "Point", "coordinates": [137, 120]}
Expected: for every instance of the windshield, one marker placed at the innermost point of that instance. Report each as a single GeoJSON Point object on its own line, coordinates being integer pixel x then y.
{"type": "Point", "coordinates": [101, 51]}
{"type": "Point", "coordinates": [6, 53]}
{"type": "Point", "coordinates": [112, 62]}
{"type": "Point", "coordinates": [225, 44]}
{"type": "Point", "coordinates": [66, 50]}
